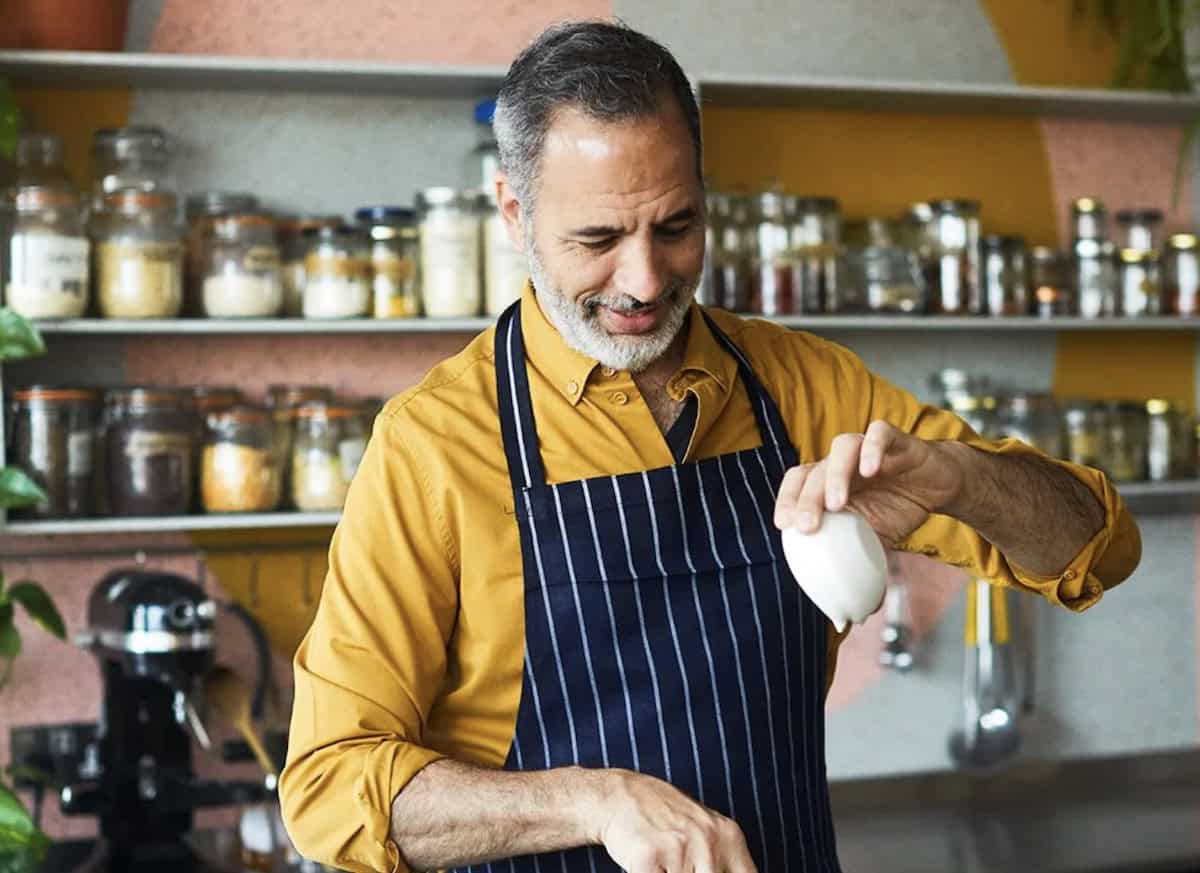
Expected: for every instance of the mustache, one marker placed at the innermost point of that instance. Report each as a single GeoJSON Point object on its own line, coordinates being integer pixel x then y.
{"type": "Point", "coordinates": [627, 303]}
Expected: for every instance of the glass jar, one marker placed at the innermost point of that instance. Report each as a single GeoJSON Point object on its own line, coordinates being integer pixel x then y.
{"type": "Point", "coordinates": [1139, 283]}
{"type": "Point", "coordinates": [451, 285]}
{"type": "Point", "coordinates": [199, 210]}
{"type": "Point", "coordinates": [1181, 276]}
{"type": "Point", "coordinates": [239, 470]}
{"type": "Point", "coordinates": [1085, 428]}
{"type": "Point", "coordinates": [1140, 229]}
{"type": "Point", "coordinates": [882, 268]}
{"type": "Point", "coordinates": [337, 273]}
{"type": "Point", "coordinates": [1094, 278]}
{"type": "Point", "coordinates": [815, 241]}
{"type": "Point", "coordinates": [134, 158]}
{"type": "Point", "coordinates": [327, 447]}
{"type": "Point", "coordinates": [485, 157]}
{"type": "Point", "coordinates": [1170, 452]}
{"type": "Point", "coordinates": [505, 270]}
{"type": "Point", "coordinates": [1032, 418]}
{"type": "Point", "coordinates": [283, 401]}
{"type": "Point", "coordinates": [395, 248]}
{"type": "Point", "coordinates": [1048, 281]}
{"type": "Point", "coordinates": [1005, 280]}
{"type": "Point", "coordinates": [978, 411]}
{"type": "Point", "coordinates": [1126, 445]}
{"type": "Point", "coordinates": [239, 267]}
{"type": "Point", "coordinates": [46, 264]}
{"type": "Point", "coordinates": [771, 291]}
{"type": "Point", "coordinates": [39, 161]}
{"type": "Point", "coordinates": [54, 441]}
{"type": "Point", "coordinates": [139, 256]}
{"type": "Point", "coordinates": [1089, 220]}
{"type": "Point", "coordinates": [953, 279]}
{"type": "Point", "coordinates": [293, 247]}
{"type": "Point", "coordinates": [150, 436]}
{"type": "Point", "coordinates": [726, 254]}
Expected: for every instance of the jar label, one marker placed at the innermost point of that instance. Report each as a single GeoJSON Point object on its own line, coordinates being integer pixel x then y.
{"type": "Point", "coordinates": [261, 259]}
{"type": "Point", "coordinates": [48, 275]}
{"type": "Point", "coordinates": [395, 286]}
{"type": "Point", "coordinates": [339, 265]}
{"type": "Point", "coordinates": [145, 444]}
{"type": "Point", "coordinates": [79, 453]}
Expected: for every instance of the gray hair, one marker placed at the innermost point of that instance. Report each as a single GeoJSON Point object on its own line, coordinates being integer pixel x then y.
{"type": "Point", "coordinates": [609, 71]}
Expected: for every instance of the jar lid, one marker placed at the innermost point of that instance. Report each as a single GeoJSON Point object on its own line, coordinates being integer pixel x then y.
{"type": "Point", "coordinates": [294, 395]}
{"type": "Point", "coordinates": [148, 396]}
{"type": "Point", "coordinates": [241, 414]}
{"type": "Point", "coordinates": [1085, 205]}
{"type": "Point", "coordinates": [219, 203]}
{"type": "Point", "coordinates": [485, 111]}
{"type": "Point", "coordinates": [50, 393]}
{"type": "Point", "coordinates": [210, 397]}
{"type": "Point", "coordinates": [1141, 216]}
{"type": "Point", "coordinates": [294, 225]}
{"type": "Point", "coordinates": [229, 225]}
{"type": "Point", "coordinates": [1003, 241]}
{"type": "Point", "coordinates": [319, 409]}
{"type": "Point", "coordinates": [135, 201]}
{"type": "Point", "coordinates": [444, 196]}
{"type": "Point", "coordinates": [1136, 256]}
{"type": "Point", "coordinates": [1159, 406]}
{"type": "Point", "coordinates": [30, 198]}
{"type": "Point", "coordinates": [135, 140]}
{"type": "Point", "coordinates": [809, 203]}
{"type": "Point", "coordinates": [385, 215]}
{"type": "Point", "coordinates": [955, 206]}
{"type": "Point", "coordinates": [1182, 241]}
{"type": "Point", "coordinates": [921, 212]}
{"type": "Point", "coordinates": [345, 232]}
{"type": "Point", "coordinates": [965, 402]}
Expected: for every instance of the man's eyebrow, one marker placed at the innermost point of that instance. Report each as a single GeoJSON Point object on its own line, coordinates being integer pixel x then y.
{"type": "Point", "coordinates": [687, 213]}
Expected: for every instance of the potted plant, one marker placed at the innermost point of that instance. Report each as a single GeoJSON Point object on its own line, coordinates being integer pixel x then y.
{"type": "Point", "coordinates": [22, 843]}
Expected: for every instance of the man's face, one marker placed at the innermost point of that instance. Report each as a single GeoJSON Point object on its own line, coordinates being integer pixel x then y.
{"type": "Point", "coordinates": [616, 244]}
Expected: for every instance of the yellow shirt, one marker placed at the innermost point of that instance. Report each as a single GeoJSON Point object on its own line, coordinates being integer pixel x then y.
{"type": "Point", "coordinates": [416, 650]}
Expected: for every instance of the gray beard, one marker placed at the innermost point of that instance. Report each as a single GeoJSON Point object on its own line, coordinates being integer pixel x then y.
{"type": "Point", "coordinates": [580, 327]}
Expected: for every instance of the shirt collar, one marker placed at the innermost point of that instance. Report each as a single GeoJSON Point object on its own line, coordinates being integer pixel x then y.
{"type": "Point", "coordinates": [569, 370]}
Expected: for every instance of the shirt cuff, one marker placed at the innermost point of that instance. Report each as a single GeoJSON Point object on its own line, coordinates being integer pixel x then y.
{"type": "Point", "coordinates": [388, 768]}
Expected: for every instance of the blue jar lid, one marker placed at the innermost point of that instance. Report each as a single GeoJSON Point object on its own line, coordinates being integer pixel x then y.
{"type": "Point", "coordinates": [485, 110]}
{"type": "Point", "coordinates": [385, 215]}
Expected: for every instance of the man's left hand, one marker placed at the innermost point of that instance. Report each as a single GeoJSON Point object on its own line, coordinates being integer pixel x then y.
{"type": "Point", "coordinates": [892, 479]}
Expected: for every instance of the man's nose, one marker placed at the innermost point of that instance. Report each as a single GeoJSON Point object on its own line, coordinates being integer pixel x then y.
{"type": "Point", "coordinates": [639, 272]}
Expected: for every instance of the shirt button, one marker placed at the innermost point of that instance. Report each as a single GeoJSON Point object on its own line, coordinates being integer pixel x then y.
{"type": "Point", "coordinates": [572, 387]}
{"type": "Point", "coordinates": [619, 397]}
{"type": "Point", "coordinates": [929, 551]}
{"type": "Point", "coordinates": [608, 371]}
{"type": "Point", "coordinates": [1069, 575]}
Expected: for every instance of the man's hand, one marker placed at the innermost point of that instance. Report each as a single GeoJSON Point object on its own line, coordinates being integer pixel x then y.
{"type": "Point", "coordinates": [890, 478]}
{"type": "Point", "coordinates": [648, 826]}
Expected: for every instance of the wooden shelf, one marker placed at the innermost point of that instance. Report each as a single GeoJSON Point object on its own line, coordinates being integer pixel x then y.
{"type": "Point", "coordinates": [173, 524]}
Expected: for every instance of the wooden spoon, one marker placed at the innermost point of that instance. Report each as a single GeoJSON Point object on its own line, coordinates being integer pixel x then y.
{"type": "Point", "coordinates": [229, 698]}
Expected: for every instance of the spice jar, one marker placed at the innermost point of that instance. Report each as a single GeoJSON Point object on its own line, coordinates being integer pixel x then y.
{"type": "Point", "coordinates": [1085, 427]}
{"type": "Point", "coordinates": [505, 270]}
{"type": "Point", "coordinates": [1005, 283]}
{"type": "Point", "coordinates": [337, 273]}
{"type": "Point", "coordinates": [1181, 276]}
{"type": "Point", "coordinates": [54, 442]}
{"type": "Point", "coordinates": [239, 470]}
{"type": "Point", "coordinates": [199, 210]}
{"type": "Point", "coordinates": [978, 411]}
{"type": "Point", "coordinates": [1139, 229]}
{"type": "Point", "coordinates": [1048, 281]}
{"type": "Point", "coordinates": [328, 446]}
{"type": "Point", "coordinates": [150, 433]}
{"type": "Point", "coordinates": [814, 241]}
{"type": "Point", "coordinates": [45, 268]}
{"type": "Point", "coordinates": [283, 401]}
{"type": "Point", "coordinates": [882, 267]}
{"type": "Point", "coordinates": [395, 247]}
{"type": "Point", "coordinates": [771, 291]}
{"type": "Point", "coordinates": [1139, 283]}
{"type": "Point", "coordinates": [727, 253]}
{"type": "Point", "coordinates": [135, 158]}
{"type": "Point", "coordinates": [1169, 448]}
{"type": "Point", "coordinates": [1089, 219]}
{"type": "Point", "coordinates": [293, 247]}
{"type": "Point", "coordinates": [953, 278]}
{"type": "Point", "coordinates": [1126, 445]}
{"type": "Point", "coordinates": [1094, 278]}
{"type": "Point", "coordinates": [239, 267]}
{"type": "Point", "coordinates": [1034, 419]}
{"type": "Point", "coordinates": [451, 286]}
{"type": "Point", "coordinates": [139, 256]}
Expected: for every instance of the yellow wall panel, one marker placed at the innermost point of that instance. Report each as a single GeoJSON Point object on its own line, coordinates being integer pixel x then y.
{"type": "Point", "coordinates": [1127, 365]}
{"type": "Point", "coordinates": [75, 115]}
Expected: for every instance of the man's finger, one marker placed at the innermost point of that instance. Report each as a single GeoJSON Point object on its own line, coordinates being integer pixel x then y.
{"type": "Point", "coordinates": [877, 442]}
{"type": "Point", "coordinates": [789, 494]}
{"type": "Point", "coordinates": [839, 469]}
{"type": "Point", "coordinates": [810, 505]}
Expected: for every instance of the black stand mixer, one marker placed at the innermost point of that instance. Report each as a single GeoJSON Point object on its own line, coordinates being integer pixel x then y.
{"type": "Point", "coordinates": [153, 634]}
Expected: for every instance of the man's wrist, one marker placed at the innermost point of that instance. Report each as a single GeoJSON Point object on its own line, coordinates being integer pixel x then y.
{"type": "Point", "coordinates": [962, 463]}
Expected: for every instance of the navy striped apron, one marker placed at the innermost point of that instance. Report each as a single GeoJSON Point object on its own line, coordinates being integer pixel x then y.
{"type": "Point", "coordinates": [664, 633]}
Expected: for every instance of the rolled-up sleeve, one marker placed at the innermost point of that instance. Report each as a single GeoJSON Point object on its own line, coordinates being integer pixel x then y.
{"type": "Point", "coordinates": [371, 664]}
{"type": "Point", "coordinates": [1106, 560]}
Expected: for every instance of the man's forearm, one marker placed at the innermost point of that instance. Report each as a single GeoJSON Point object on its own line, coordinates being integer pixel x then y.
{"type": "Point", "coordinates": [1035, 512]}
{"type": "Point", "coordinates": [453, 814]}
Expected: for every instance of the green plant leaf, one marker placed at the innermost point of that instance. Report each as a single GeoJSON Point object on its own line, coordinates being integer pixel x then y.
{"type": "Point", "coordinates": [18, 337]}
{"type": "Point", "coordinates": [10, 120]}
{"type": "Point", "coordinates": [10, 645]}
{"type": "Point", "coordinates": [39, 607]}
{"type": "Point", "coordinates": [14, 817]}
{"type": "Point", "coordinates": [17, 489]}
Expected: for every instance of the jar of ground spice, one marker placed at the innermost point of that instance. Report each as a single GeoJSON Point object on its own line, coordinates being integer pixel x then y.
{"type": "Point", "coordinates": [150, 437]}
{"type": "Point", "coordinates": [54, 441]}
{"type": "Point", "coordinates": [239, 471]}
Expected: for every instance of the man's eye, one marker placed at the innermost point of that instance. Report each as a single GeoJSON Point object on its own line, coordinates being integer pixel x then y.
{"type": "Point", "coordinates": [598, 245]}
{"type": "Point", "coordinates": [675, 231]}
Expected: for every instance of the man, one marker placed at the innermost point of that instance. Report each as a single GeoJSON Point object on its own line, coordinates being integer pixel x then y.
{"type": "Point", "coordinates": [557, 632]}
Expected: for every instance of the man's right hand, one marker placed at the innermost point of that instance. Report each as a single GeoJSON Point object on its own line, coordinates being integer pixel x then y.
{"type": "Point", "coordinates": [649, 826]}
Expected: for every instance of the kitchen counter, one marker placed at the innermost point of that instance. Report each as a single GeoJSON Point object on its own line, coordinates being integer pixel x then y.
{"type": "Point", "coordinates": [1114, 815]}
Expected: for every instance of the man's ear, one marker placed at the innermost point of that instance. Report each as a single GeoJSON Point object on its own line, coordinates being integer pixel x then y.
{"type": "Point", "coordinates": [511, 210]}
